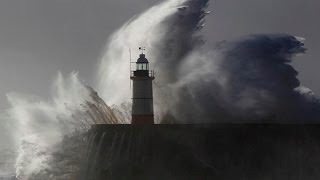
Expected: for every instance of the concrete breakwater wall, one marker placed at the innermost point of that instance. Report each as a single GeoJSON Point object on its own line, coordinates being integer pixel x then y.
{"type": "Point", "coordinates": [223, 151]}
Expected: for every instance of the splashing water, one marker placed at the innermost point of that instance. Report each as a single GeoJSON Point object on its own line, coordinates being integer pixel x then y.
{"type": "Point", "coordinates": [46, 128]}
{"type": "Point", "coordinates": [43, 126]}
{"type": "Point", "coordinates": [244, 80]}
{"type": "Point", "coordinates": [194, 83]}
{"type": "Point", "coordinates": [169, 35]}
{"type": "Point", "coordinates": [51, 129]}
{"type": "Point", "coordinates": [144, 30]}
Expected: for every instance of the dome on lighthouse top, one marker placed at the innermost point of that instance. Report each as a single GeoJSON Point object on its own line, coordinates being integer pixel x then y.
{"type": "Point", "coordinates": [142, 59]}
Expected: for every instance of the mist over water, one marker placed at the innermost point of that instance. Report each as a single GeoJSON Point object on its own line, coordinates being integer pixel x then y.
{"type": "Point", "coordinates": [246, 80]}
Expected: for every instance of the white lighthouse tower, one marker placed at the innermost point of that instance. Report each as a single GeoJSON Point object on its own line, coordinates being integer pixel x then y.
{"type": "Point", "coordinates": [142, 94]}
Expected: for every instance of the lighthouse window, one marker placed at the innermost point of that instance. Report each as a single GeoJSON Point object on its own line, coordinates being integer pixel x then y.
{"type": "Point", "coordinates": [139, 66]}
{"type": "Point", "coordinates": [142, 66]}
{"type": "Point", "coordinates": [145, 66]}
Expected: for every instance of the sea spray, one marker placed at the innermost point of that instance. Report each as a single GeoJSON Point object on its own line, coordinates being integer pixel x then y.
{"type": "Point", "coordinates": [169, 33]}
{"type": "Point", "coordinates": [196, 83]}
{"type": "Point", "coordinates": [53, 129]}
{"type": "Point", "coordinates": [248, 79]}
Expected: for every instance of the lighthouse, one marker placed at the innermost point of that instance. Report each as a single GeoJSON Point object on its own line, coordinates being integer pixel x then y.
{"type": "Point", "coordinates": [142, 94]}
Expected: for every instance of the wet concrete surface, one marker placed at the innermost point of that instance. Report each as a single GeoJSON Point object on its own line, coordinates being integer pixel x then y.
{"type": "Point", "coordinates": [216, 151]}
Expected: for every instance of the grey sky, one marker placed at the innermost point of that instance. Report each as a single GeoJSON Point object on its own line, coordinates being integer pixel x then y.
{"type": "Point", "coordinates": [40, 37]}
